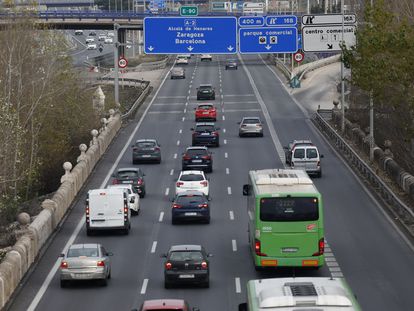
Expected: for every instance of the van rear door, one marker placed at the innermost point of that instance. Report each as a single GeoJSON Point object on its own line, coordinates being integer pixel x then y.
{"type": "Point", "coordinates": [106, 208]}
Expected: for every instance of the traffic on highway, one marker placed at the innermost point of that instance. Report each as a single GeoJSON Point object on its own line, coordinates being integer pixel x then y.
{"type": "Point", "coordinates": [195, 237]}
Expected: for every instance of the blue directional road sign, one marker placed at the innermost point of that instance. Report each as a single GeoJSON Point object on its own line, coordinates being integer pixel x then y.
{"type": "Point", "coordinates": [196, 35]}
{"type": "Point", "coordinates": [249, 21]}
{"type": "Point", "coordinates": [268, 40]}
{"type": "Point", "coordinates": [281, 20]}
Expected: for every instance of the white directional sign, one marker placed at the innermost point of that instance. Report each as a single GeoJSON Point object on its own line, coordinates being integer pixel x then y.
{"type": "Point", "coordinates": [327, 38]}
{"type": "Point", "coordinates": [324, 19]}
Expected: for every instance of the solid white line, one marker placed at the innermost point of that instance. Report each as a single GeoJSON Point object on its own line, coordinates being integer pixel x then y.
{"type": "Point", "coordinates": [229, 190]}
{"type": "Point", "coordinates": [234, 245]}
{"type": "Point", "coordinates": [172, 172]}
{"type": "Point", "coordinates": [170, 97]}
{"type": "Point", "coordinates": [227, 171]}
{"type": "Point", "coordinates": [154, 246]}
{"type": "Point", "coordinates": [178, 142]}
{"type": "Point", "coordinates": [175, 156]}
{"type": "Point", "coordinates": [167, 191]}
{"type": "Point", "coordinates": [167, 104]}
{"type": "Point", "coordinates": [226, 155]}
{"type": "Point", "coordinates": [180, 131]}
{"type": "Point", "coordinates": [144, 286]}
{"type": "Point", "coordinates": [165, 112]}
{"type": "Point", "coordinates": [225, 141]}
{"type": "Point", "coordinates": [275, 138]}
{"type": "Point", "coordinates": [238, 287]}
{"type": "Point", "coordinates": [78, 228]}
{"type": "Point", "coordinates": [240, 102]}
{"type": "Point", "coordinates": [235, 95]}
{"type": "Point", "coordinates": [231, 215]}
{"type": "Point", "coordinates": [224, 130]}
{"type": "Point", "coordinates": [161, 217]}
{"type": "Point", "coordinates": [224, 118]}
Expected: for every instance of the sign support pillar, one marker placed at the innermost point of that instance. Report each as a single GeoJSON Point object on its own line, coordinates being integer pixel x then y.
{"type": "Point", "coordinates": [116, 67]}
{"type": "Point", "coordinates": [342, 73]}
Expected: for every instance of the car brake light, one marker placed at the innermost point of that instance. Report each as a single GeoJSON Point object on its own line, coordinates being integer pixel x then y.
{"type": "Point", "coordinates": [115, 181]}
{"type": "Point", "coordinates": [175, 205]}
{"type": "Point", "coordinates": [203, 205]}
{"type": "Point", "coordinates": [186, 157]}
{"type": "Point", "coordinates": [100, 263]}
{"type": "Point", "coordinates": [157, 148]}
{"type": "Point", "coordinates": [179, 183]}
{"type": "Point", "coordinates": [126, 210]}
{"type": "Point", "coordinates": [87, 211]}
{"type": "Point", "coordinates": [204, 265]}
{"type": "Point", "coordinates": [258, 125]}
{"type": "Point", "coordinates": [168, 266]}
{"type": "Point", "coordinates": [257, 248]}
{"type": "Point", "coordinates": [206, 157]}
{"type": "Point", "coordinates": [319, 163]}
{"type": "Point", "coordinates": [135, 149]}
{"type": "Point", "coordinates": [139, 181]}
{"type": "Point", "coordinates": [215, 134]}
{"type": "Point", "coordinates": [64, 265]}
{"type": "Point", "coordinates": [204, 183]}
{"type": "Point", "coordinates": [321, 248]}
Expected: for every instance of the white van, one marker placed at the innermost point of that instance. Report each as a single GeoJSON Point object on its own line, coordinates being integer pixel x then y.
{"type": "Point", "coordinates": [107, 209]}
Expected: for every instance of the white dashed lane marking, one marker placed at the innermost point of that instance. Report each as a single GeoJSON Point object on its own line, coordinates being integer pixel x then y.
{"type": "Point", "coordinates": [224, 130]}
{"type": "Point", "coordinates": [226, 155]}
{"type": "Point", "coordinates": [178, 142]}
{"type": "Point", "coordinates": [185, 110]}
{"type": "Point", "coordinates": [225, 141]}
{"type": "Point", "coordinates": [234, 245]}
{"type": "Point", "coordinates": [167, 191]}
{"type": "Point", "coordinates": [172, 172]}
{"type": "Point", "coordinates": [161, 217]}
{"type": "Point", "coordinates": [154, 247]}
{"type": "Point", "coordinates": [183, 119]}
{"type": "Point", "coordinates": [229, 190]}
{"type": "Point", "coordinates": [180, 131]}
{"type": "Point", "coordinates": [227, 171]}
{"type": "Point", "coordinates": [175, 156]}
{"type": "Point", "coordinates": [223, 117]}
{"type": "Point", "coordinates": [144, 286]}
{"type": "Point", "coordinates": [238, 287]}
{"type": "Point", "coordinates": [231, 213]}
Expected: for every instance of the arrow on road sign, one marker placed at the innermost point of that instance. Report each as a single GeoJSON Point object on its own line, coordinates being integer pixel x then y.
{"type": "Point", "coordinates": [330, 46]}
{"type": "Point", "coordinates": [268, 47]}
{"type": "Point", "coordinates": [230, 48]}
{"type": "Point", "coordinates": [150, 48]}
{"type": "Point", "coordinates": [190, 48]}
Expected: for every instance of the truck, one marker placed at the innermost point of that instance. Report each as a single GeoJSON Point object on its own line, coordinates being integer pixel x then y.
{"type": "Point", "coordinates": [108, 209]}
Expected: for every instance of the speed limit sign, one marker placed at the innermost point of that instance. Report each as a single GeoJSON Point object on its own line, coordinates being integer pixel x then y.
{"type": "Point", "coordinates": [122, 63]}
{"type": "Point", "coordinates": [299, 56]}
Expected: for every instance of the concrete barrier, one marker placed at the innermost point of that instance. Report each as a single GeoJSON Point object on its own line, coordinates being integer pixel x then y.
{"type": "Point", "coordinates": [19, 259]}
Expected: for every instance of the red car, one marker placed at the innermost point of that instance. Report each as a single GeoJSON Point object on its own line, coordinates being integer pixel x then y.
{"type": "Point", "coordinates": [165, 304]}
{"type": "Point", "coordinates": [205, 112]}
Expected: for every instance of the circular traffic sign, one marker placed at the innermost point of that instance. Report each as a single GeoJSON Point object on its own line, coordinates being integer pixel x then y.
{"type": "Point", "coordinates": [299, 56]}
{"type": "Point", "coordinates": [122, 63]}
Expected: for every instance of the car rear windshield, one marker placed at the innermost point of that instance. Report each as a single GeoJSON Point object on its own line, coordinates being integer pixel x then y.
{"type": "Point", "coordinates": [195, 152]}
{"type": "Point", "coordinates": [146, 144]}
{"type": "Point", "coordinates": [78, 252]}
{"type": "Point", "coordinates": [251, 121]}
{"type": "Point", "coordinates": [299, 153]}
{"type": "Point", "coordinates": [128, 174]}
{"type": "Point", "coordinates": [190, 199]}
{"type": "Point", "coordinates": [289, 209]}
{"type": "Point", "coordinates": [311, 153]}
{"type": "Point", "coordinates": [205, 87]}
{"type": "Point", "coordinates": [186, 255]}
{"type": "Point", "coordinates": [205, 107]}
{"type": "Point", "coordinates": [191, 177]}
{"type": "Point", "coordinates": [204, 128]}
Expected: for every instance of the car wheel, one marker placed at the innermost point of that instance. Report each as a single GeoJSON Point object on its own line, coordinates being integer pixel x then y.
{"type": "Point", "coordinates": [207, 221]}
{"type": "Point", "coordinates": [109, 275]}
{"type": "Point", "coordinates": [198, 98]}
{"type": "Point", "coordinates": [236, 67]}
{"type": "Point", "coordinates": [210, 169]}
{"type": "Point", "coordinates": [261, 135]}
{"type": "Point", "coordinates": [159, 161]}
{"type": "Point", "coordinates": [206, 284]}
{"type": "Point", "coordinates": [89, 232]}
{"type": "Point", "coordinates": [174, 221]}
{"type": "Point", "coordinates": [134, 162]}
{"type": "Point", "coordinates": [319, 175]}
{"type": "Point", "coordinates": [167, 284]}
{"type": "Point", "coordinates": [218, 144]}
{"type": "Point", "coordinates": [240, 135]}
{"type": "Point", "coordinates": [226, 68]}
{"type": "Point", "coordinates": [104, 282]}
{"type": "Point", "coordinates": [64, 283]}
{"type": "Point", "coordinates": [126, 231]}
{"type": "Point", "coordinates": [134, 212]}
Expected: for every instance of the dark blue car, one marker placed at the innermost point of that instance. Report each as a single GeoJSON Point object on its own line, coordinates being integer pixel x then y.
{"type": "Point", "coordinates": [190, 206]}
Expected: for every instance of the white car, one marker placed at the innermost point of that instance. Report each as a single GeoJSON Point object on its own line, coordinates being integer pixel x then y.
{"type": "Point", "coordinates": [206, 57]}
{"type": "Point", "coordinates": [134, 205]}
{"type": "Point", "coordinates": [192, 180]}
{"type": "Point", "coordinates": [182, 59]}
{"type": "Point", "coordinates": [91, 46]}
{"type": "Point", "coordinates": [108, 40]}
{"type": "Point", "coordinates": [90, 40]}
{"type": "Point", "coordinates": [101, 38]}
{"type": "Point", "coordinates": [111, 34]}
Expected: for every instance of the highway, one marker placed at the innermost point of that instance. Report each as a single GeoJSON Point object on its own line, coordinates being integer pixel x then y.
{"type": "Point", "coordinates": [363, 245]}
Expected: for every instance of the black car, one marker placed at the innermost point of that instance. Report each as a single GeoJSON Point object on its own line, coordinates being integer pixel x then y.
{"type": "Point", "coordinates": [189, 206]}
{"type": "Point", "coordinates": [146, 150]}
{"type": "Point", "coordinates": [197, 158]}
{"type": "Point", "coordinates": [186, 264]}
{"type": "Point", "coordinates": [133, 176]}
{"type": "Point", "coordinates": [205, 134]}
{"type": "Point", "coordinates": [206, 91]}
{"type": "Point", "coordinates": [92, 33]}
{"type": "Point", "coordinates": [231, 64]}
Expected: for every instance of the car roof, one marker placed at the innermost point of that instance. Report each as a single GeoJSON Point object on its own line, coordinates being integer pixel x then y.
{"type": "Point", "coordinates": [127, 169]}
{"type": "Point", "coordinates": [146, 139]}
{"type": "Point", "coordinates": [197, 148]}
{"type": "Point", "coordinates": [185, 247]}
{"type": "Point", "coordinates": [190, 192]}
{"type": "Point", "coordinates": [121, 186]}
{"type": "Point", "coordinates": [204, 85]}
{"type": "Point", "coordinates": [163, 303]}
{"type": "Point", "coordinates": [246, 118]}
{"type": "Point", "coordinates": [194, 172]}
{"type": "Point", "coordinates": [86, 245]}
{"type": "Point", "coordinates": [205, 123]}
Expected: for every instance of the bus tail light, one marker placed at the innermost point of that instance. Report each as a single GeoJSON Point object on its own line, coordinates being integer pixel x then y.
{"type": "Point", "coordinates": [257, 248]}
{"type": "Point", "coordinates": [321, 248]}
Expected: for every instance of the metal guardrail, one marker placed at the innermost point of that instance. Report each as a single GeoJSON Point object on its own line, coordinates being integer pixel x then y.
{"type": "Point", "coordinates": [404, 214]}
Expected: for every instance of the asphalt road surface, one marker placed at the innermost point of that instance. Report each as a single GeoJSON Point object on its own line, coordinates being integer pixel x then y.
{"type": "Point", "coordinates": [363, 246]}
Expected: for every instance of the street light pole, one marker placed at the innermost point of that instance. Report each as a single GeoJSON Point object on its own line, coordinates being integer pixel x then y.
{"type": "Point", "coordinates": [342, 74]}
{"type": "Point", "coordinates": [116, 67]}
{"type": "Point", "coordinates": [371, 119]}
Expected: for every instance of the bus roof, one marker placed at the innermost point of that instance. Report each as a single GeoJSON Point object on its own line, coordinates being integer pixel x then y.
{"type": "Point", "coordinates": [285, 294]}
{"type": "Point", "coordinates": [271, 181]}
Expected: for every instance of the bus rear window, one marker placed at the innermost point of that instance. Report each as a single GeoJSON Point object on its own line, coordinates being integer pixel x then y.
{"type": "Point", "coordinates": [289, 209]}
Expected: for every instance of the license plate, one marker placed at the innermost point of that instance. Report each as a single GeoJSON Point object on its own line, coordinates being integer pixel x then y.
{"type": "Point", "coordinates": [205, 134]}
{"type": "Point", "coordinates": [197, 161]}
{"type": "Point", "coordinates": [146, 155]}
{"type": "Point", "coordinates": [127, 181]}
{"type": "Point", "coordinates": [81, 275]}
{"type": "Point", "coordinates": [190, 214]}
{"type": "Point", "coordinates": [289, 250]}
{"type": "Point", "coordinates": [186, 276]}
{"type": "Point", "coordinates": [206, 112]}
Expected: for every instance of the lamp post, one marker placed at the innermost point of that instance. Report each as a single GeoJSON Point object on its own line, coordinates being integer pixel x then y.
{"type": "Point", "coordinates": [371, 119]}
{"type": "Point", "coordinates": [342, 74]}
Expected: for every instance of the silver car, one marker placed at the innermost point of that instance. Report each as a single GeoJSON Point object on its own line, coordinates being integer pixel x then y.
{"type": "Point", "coordinates": [85, 262]}
{"type": "Point", "coordinates": [178, 73]}
{"type": "Point", "coordinates": [250, 126]}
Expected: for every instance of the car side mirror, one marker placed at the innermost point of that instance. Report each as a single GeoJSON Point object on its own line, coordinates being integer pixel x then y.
{"type": "Point", "coordinates": [246, 189]}
{"type": "Point", "coordinates": [243, 306]}
{"type": "Point", "coordinates": [172, 199]}
{"type": "Point", "coordinates": [163, 255]}
{"type": "Point", "coordinates": [208, 199]}
{"type": "Point", "coordinates": [286, 148]}
{"type": "Point", "coordinates": [239, 122]}
{"type": "Point", "coordinates": [109, 254]}
{"type": "Point", "coordinates": [62, 255]}
{"type": "Point", "coordinates": [134, 309]}
{"type": "Point", "coordinates": [132, 146]}
{"type": "Point", "coordinates": [321, 156]}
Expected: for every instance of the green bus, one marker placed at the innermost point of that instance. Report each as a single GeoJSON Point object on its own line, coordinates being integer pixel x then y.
{"type": "Point", "coordinates": [304, 293]}
{"type": "Point", "coordinates": [285, 214]}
